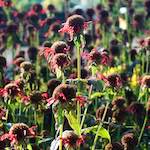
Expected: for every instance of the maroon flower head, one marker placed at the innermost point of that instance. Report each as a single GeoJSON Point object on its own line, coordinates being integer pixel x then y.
{"type": "Point", "coordinates": [74, 25]}
{"type": "Point", "coordinates": [63, 94]}
{"type": "Point", "coordinates": [12, 90]}
{"type": "Point", "coordinates": [60, 47]}
{"type": "Point", "coordinates": [35, 97]}
{"type": "Point", "coordinates": [71, 140]}
{"type": "Point", "coordinates": [59, 60]}
{"type": "Point", "coordinates": [52, 84]}
{"type": "Point", "coordinates": [119, 102]}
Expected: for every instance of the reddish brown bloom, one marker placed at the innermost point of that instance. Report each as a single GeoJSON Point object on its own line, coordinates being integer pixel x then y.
{"type": "Point", "coordinates": [18, 61]}
{"type": "Point", "coordinates": [113, 80]}
{"type": "Point", "coordinates": [18, 133]}
{"type": "Point", "coordinates": [119, 102]}
{"type": "Point", "coordinates": [12, 90]}
{"type": "Point", "coordinates": [97, 57]}
{"type": "Point", "coordinates": [63, 94]}
{"type": "Point", "coordinates": [71, 140]}
{"type": "Point", "coordinates": [60, 61]}
{"type": "Point", "coordinates": [60, 47]}
{"type": "Point", "coordinates": [74, 25]}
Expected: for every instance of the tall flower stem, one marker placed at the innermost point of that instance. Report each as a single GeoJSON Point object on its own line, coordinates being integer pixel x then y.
{"type": "Point", "coordinates": [145, 120]}
{"type": "Point", "coordinates": [78, 48]}
{"type": "Point", "coordinates": [99, 127]}
{"type": "Point", "coordinates": [61, 130]}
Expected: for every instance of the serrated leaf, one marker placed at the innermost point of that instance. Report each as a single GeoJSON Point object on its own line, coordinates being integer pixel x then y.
{"type": "Point", "coordinates": [73, 122]}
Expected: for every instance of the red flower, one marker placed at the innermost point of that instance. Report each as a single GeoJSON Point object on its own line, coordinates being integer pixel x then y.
{"type": "Point", "coordinates": [3, 92]}
{"type": "Point", "coordinates": [60, 97]}
{"type": "Point", "coordinates": [47, 52]}
{"type": "Point", "coordinates": [74, 25]}
{"type": "Point", "coordinates": [82, 100]}
{"type": "Point", "coordinates": [18, 133]}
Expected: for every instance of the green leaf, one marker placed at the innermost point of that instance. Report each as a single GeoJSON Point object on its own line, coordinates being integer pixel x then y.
{"type": "Point", "coordinates": [102, 132]}
{"type": "Point", "coordinates": [29, 147]}
{"type": "Point", "coordinates": [73, 122]}
{"type": "Point", "coordinates": [96, 95]}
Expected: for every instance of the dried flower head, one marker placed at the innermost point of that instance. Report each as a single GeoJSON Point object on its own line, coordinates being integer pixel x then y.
{"type": "Point", "coordinates": [119, 102]}
{"type": "Point", "coordinates": [26, 66]}
{"type": "Point", "coordinates": [119, 115]}
{"type": "Point", "coordinates": [129, 141]}
{"type": "Point", "coordinates": [114, 146]}
{"type": "Point", "coordinates": [36, 97]}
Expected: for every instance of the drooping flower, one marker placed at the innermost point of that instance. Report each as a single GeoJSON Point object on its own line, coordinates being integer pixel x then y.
{"type": "Point", "coordinates": [18, 133]}
{"type": "Point", "coordinates": [112, 80]}
{"type": "Point", "coordinates": [97, 57]}
{"type": "Point", "coordinates": [60, 61]}
{"type": "Point", "coordinates": [72, 140]}
{"type": "Point", "coordinates": [52, 84]}
{"type": "Point", "coordinates": [74, 25]}
{"type": "Point", "coordinates": [63, 94]}
{"type": "Point", "coordinates": [11, 90]}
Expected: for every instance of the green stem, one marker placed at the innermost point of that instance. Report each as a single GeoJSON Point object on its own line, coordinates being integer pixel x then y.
{"type": "Point", "coordinates": [61, 132]}
{"type": "Point", "coordinates": [85, 111]}
{"type": "Point", "coordinates": [99, 127]}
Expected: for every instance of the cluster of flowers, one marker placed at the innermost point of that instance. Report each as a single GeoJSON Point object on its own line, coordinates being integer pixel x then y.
{"type": "Point", "coordinates": [69, 73]}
